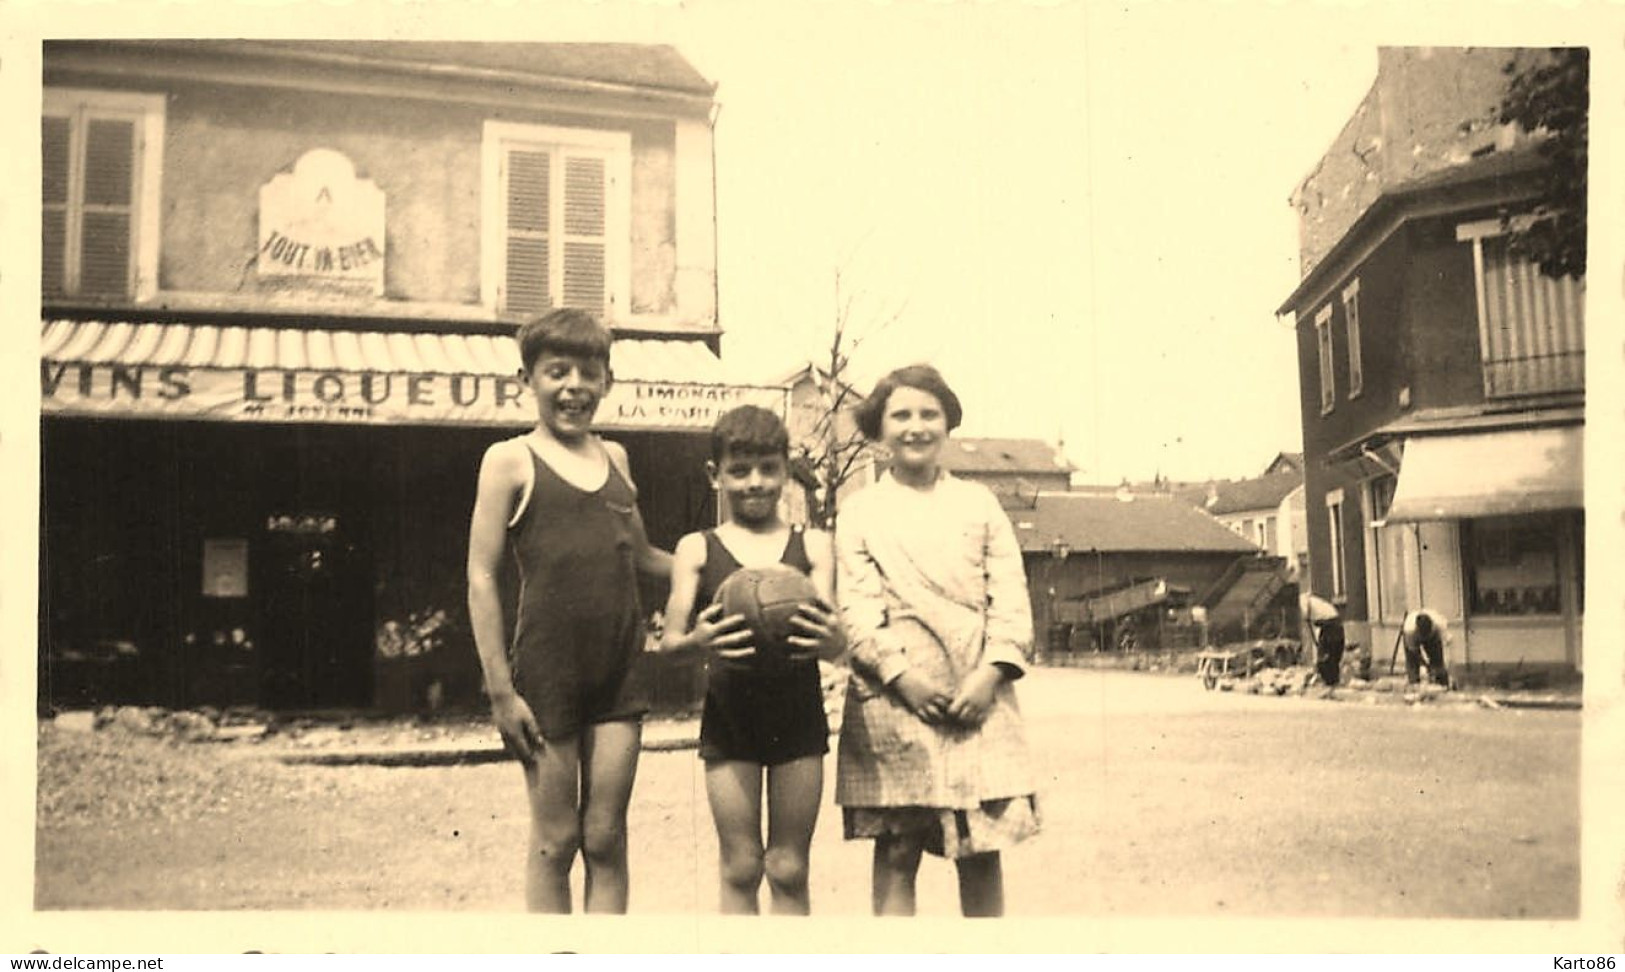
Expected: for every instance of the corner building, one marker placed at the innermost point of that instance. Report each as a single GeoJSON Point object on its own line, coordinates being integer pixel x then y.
{"type": "Point", "coordinates": [1442, 375]}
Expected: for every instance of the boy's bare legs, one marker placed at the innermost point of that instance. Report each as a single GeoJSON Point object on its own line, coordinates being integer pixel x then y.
{"type": "Point", "coordinates": [555, 827]}
{"type": "Point", "coordinates": [897, 863]}
{"type": "Point", "coordinates": [734, 789]}
{"type": "Point", "coordinates": [794, 791]}
{"type": "Point", "coordinates": [981, 885]}
{"type": "Point", "coordinates": [609, 762]}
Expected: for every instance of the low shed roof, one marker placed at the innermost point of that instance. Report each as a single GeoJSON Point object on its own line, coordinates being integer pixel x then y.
{"type": "Point", "coordinates": [1117, 525]}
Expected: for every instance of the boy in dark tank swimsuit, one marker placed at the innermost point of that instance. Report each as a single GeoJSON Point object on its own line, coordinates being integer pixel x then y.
{"type": "Point", "coordinates": [764, 714]}
{"type": "Point", "coordinates": [565, 694]}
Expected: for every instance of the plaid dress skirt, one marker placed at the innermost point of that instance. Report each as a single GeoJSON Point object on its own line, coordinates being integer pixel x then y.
{"type": "Point", "coordinates": [994, 826]}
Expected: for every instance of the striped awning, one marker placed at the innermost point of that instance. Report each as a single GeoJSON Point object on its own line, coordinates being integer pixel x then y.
{"type": "Point", "coordinates": [264, 374]}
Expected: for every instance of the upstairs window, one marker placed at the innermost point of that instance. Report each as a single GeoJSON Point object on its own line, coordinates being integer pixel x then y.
{"type": "Point", "coordinates": [1351, 326]}
{"type": "Point", "coordinates": [101, 154]}
{"type": "Point", "coordinates": [1323, 340]}
{"type": "Point", "coordinates": [1531, 327]}
{"type": "Point", "coordinates": [557, 222]}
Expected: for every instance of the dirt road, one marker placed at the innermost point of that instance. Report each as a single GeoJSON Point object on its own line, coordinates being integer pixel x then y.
{"type": "Point", "coordinates": [1159, 799]}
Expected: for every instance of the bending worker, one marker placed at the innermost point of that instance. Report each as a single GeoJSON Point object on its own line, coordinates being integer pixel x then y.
{"type": "Point", "coordinates": [1423, 633]}
{"type": "Point", "coordinates": [1325, 624]}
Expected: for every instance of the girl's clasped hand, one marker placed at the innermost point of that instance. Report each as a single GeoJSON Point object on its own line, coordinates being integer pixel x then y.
{"type": "Point", "coordinates": [936, 706]}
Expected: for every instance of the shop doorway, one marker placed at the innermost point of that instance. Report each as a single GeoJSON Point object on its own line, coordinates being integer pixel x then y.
{"type": "Point", "coordinates": [316, 612]}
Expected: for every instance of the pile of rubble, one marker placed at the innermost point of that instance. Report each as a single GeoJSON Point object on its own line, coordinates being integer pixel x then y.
{"type": "Point", "coordinates": [1302, 681]}
{"type": "Point", "coordinates": [189, 725]}
{"type": "Point", "coordinates": [278, 731]}
{"type": "Point", "coordinates": [1294, 680]}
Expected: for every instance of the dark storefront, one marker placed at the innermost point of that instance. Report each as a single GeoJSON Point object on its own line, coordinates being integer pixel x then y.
{"type": "Point", "coordinates": [294, 566]}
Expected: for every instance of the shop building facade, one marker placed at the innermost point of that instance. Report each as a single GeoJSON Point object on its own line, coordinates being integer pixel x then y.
{"type": "Point", "coordinates": [1442, 375]}
{"type": "Point", "coordinates": [280, 282]}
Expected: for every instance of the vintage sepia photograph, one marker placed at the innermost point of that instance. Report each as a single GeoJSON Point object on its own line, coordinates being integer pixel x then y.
{"type": "Point", "coordinates": [979, 476]}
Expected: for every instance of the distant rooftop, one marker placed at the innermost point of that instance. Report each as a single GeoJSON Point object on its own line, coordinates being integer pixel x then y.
{"type": "Point", "coordinates": [1240, 496]}
{"type": "Point", "coordinates": [1285, 462]}
{"type": "Point", "coordinates": [965, 454]}
{"type": "Point", "coordinates": [1109, 524]}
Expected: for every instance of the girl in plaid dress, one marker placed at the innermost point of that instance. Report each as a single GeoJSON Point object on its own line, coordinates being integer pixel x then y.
{"type": "Point", "coordinates": [933, 597]}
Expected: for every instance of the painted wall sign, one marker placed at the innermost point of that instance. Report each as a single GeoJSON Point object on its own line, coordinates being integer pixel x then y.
{"type": "Point", "coordinates": [322, 227]}
{"type": "Point", "coordinates": [365, 398]}
{"type": "Point", "coordinates": [225, 567]}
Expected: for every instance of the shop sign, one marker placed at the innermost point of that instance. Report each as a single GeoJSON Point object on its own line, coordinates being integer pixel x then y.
{"type": "Point", "coordinates": [642, 404]}
{"type": "Point", "coordinates": [321, 227]}
{"type": "Point", "coordinates": [225, 567]}
{"type": "Point", "coordinates": [366, 398]}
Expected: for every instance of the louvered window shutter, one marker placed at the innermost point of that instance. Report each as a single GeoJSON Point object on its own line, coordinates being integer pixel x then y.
{"type": "Point", "coordinates": [527, 280]}
{"type": "Point", "coordinates": [562, 202]}
{"type": "Point", "coordinates": [1534, 327]}
{"type": "Point", "coordinates": [87, 195]}
{"type": "Point", "coordinates": [105, 243]}
{"type": "Point", "coordinates": [585, 225]}
{"type": "Point", "coordinates": [54, 154]}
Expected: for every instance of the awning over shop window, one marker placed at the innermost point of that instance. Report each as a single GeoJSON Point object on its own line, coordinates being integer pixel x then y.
{"type": "Point", "coordinates": [1451, 477]}
{"type": "Point", "coordinates": [195, 371]}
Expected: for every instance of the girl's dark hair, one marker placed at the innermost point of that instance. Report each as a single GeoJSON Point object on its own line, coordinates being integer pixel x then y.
{"type": "Point", "coordinates": [1424, 626]}
{"type": "Point", "coordinates": [922, 377]}
{"type": "Point", "coordinates": [566, 330]}
{"type": "Point", "coordinates": [749, 430]}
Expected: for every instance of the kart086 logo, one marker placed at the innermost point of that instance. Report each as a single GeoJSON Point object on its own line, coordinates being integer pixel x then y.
{"type": "Point", "coordinates": [1598, 964]}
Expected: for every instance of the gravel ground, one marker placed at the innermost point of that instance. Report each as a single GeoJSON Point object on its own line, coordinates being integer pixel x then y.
{"type": "Point", "coordinates": [1159, 799]}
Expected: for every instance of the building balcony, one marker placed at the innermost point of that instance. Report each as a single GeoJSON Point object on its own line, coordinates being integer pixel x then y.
{"type": "Point", "coordinates": [1535, 374]}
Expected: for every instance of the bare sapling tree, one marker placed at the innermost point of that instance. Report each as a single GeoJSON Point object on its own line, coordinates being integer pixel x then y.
{"type": "Point", "coordinates": [833, 451]}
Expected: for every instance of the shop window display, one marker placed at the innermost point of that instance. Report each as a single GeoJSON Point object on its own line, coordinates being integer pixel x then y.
{"type": "Point", "coordinates": [1514, 566]}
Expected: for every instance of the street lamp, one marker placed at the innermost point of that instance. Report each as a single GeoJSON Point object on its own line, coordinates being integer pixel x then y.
{"type": "Point", "coordinates": [1059, 550]}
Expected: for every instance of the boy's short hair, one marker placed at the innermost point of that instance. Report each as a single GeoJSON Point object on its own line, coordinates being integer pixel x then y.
{"type": "Point", "coordinates": [922, 377]}
{"type": "Point", "coordinates": [567, 330]}
{"type": "Point", "coordinates": [749, 430]}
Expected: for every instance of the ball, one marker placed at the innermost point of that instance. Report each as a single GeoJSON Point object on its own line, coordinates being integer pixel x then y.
{"type": "Point", "coordinates": [767, 597]}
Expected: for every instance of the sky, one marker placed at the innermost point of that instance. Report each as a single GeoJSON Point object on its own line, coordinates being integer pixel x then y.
{"type": "Point", "coordinates": [1078, 212]}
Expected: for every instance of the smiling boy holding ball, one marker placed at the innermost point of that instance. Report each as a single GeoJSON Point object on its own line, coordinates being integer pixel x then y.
{"type": "Point", "coordinates": [764, 705]}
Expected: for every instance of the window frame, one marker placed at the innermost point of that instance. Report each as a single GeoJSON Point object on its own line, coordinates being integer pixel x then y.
{"type": "Point", "coordinates": [1323, 345]}
{"type": "Point", "coordinates": [146, 110]}
{"type": "Point", "coordinates": [1337, 544]}
{"type": "Point", "coordinates": [1351, 328]}
{"type": "Point", "coordinates": [615, 147]}
{"type": "Point", "coordinates": [1388, 565]}
{"type": "Point", "coordinates": [1509, 534]}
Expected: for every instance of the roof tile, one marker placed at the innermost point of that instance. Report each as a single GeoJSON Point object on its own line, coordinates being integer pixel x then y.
{"type": "Point", "coordinates": [1112, 525]}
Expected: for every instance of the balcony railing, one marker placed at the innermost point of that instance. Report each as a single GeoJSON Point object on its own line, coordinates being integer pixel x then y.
{"type": "Point", "coordinates": [1535, 374]}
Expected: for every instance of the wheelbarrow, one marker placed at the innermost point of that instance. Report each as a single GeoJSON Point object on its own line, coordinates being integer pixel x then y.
{"type": "Point", "coordinates": [1213, 664]}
